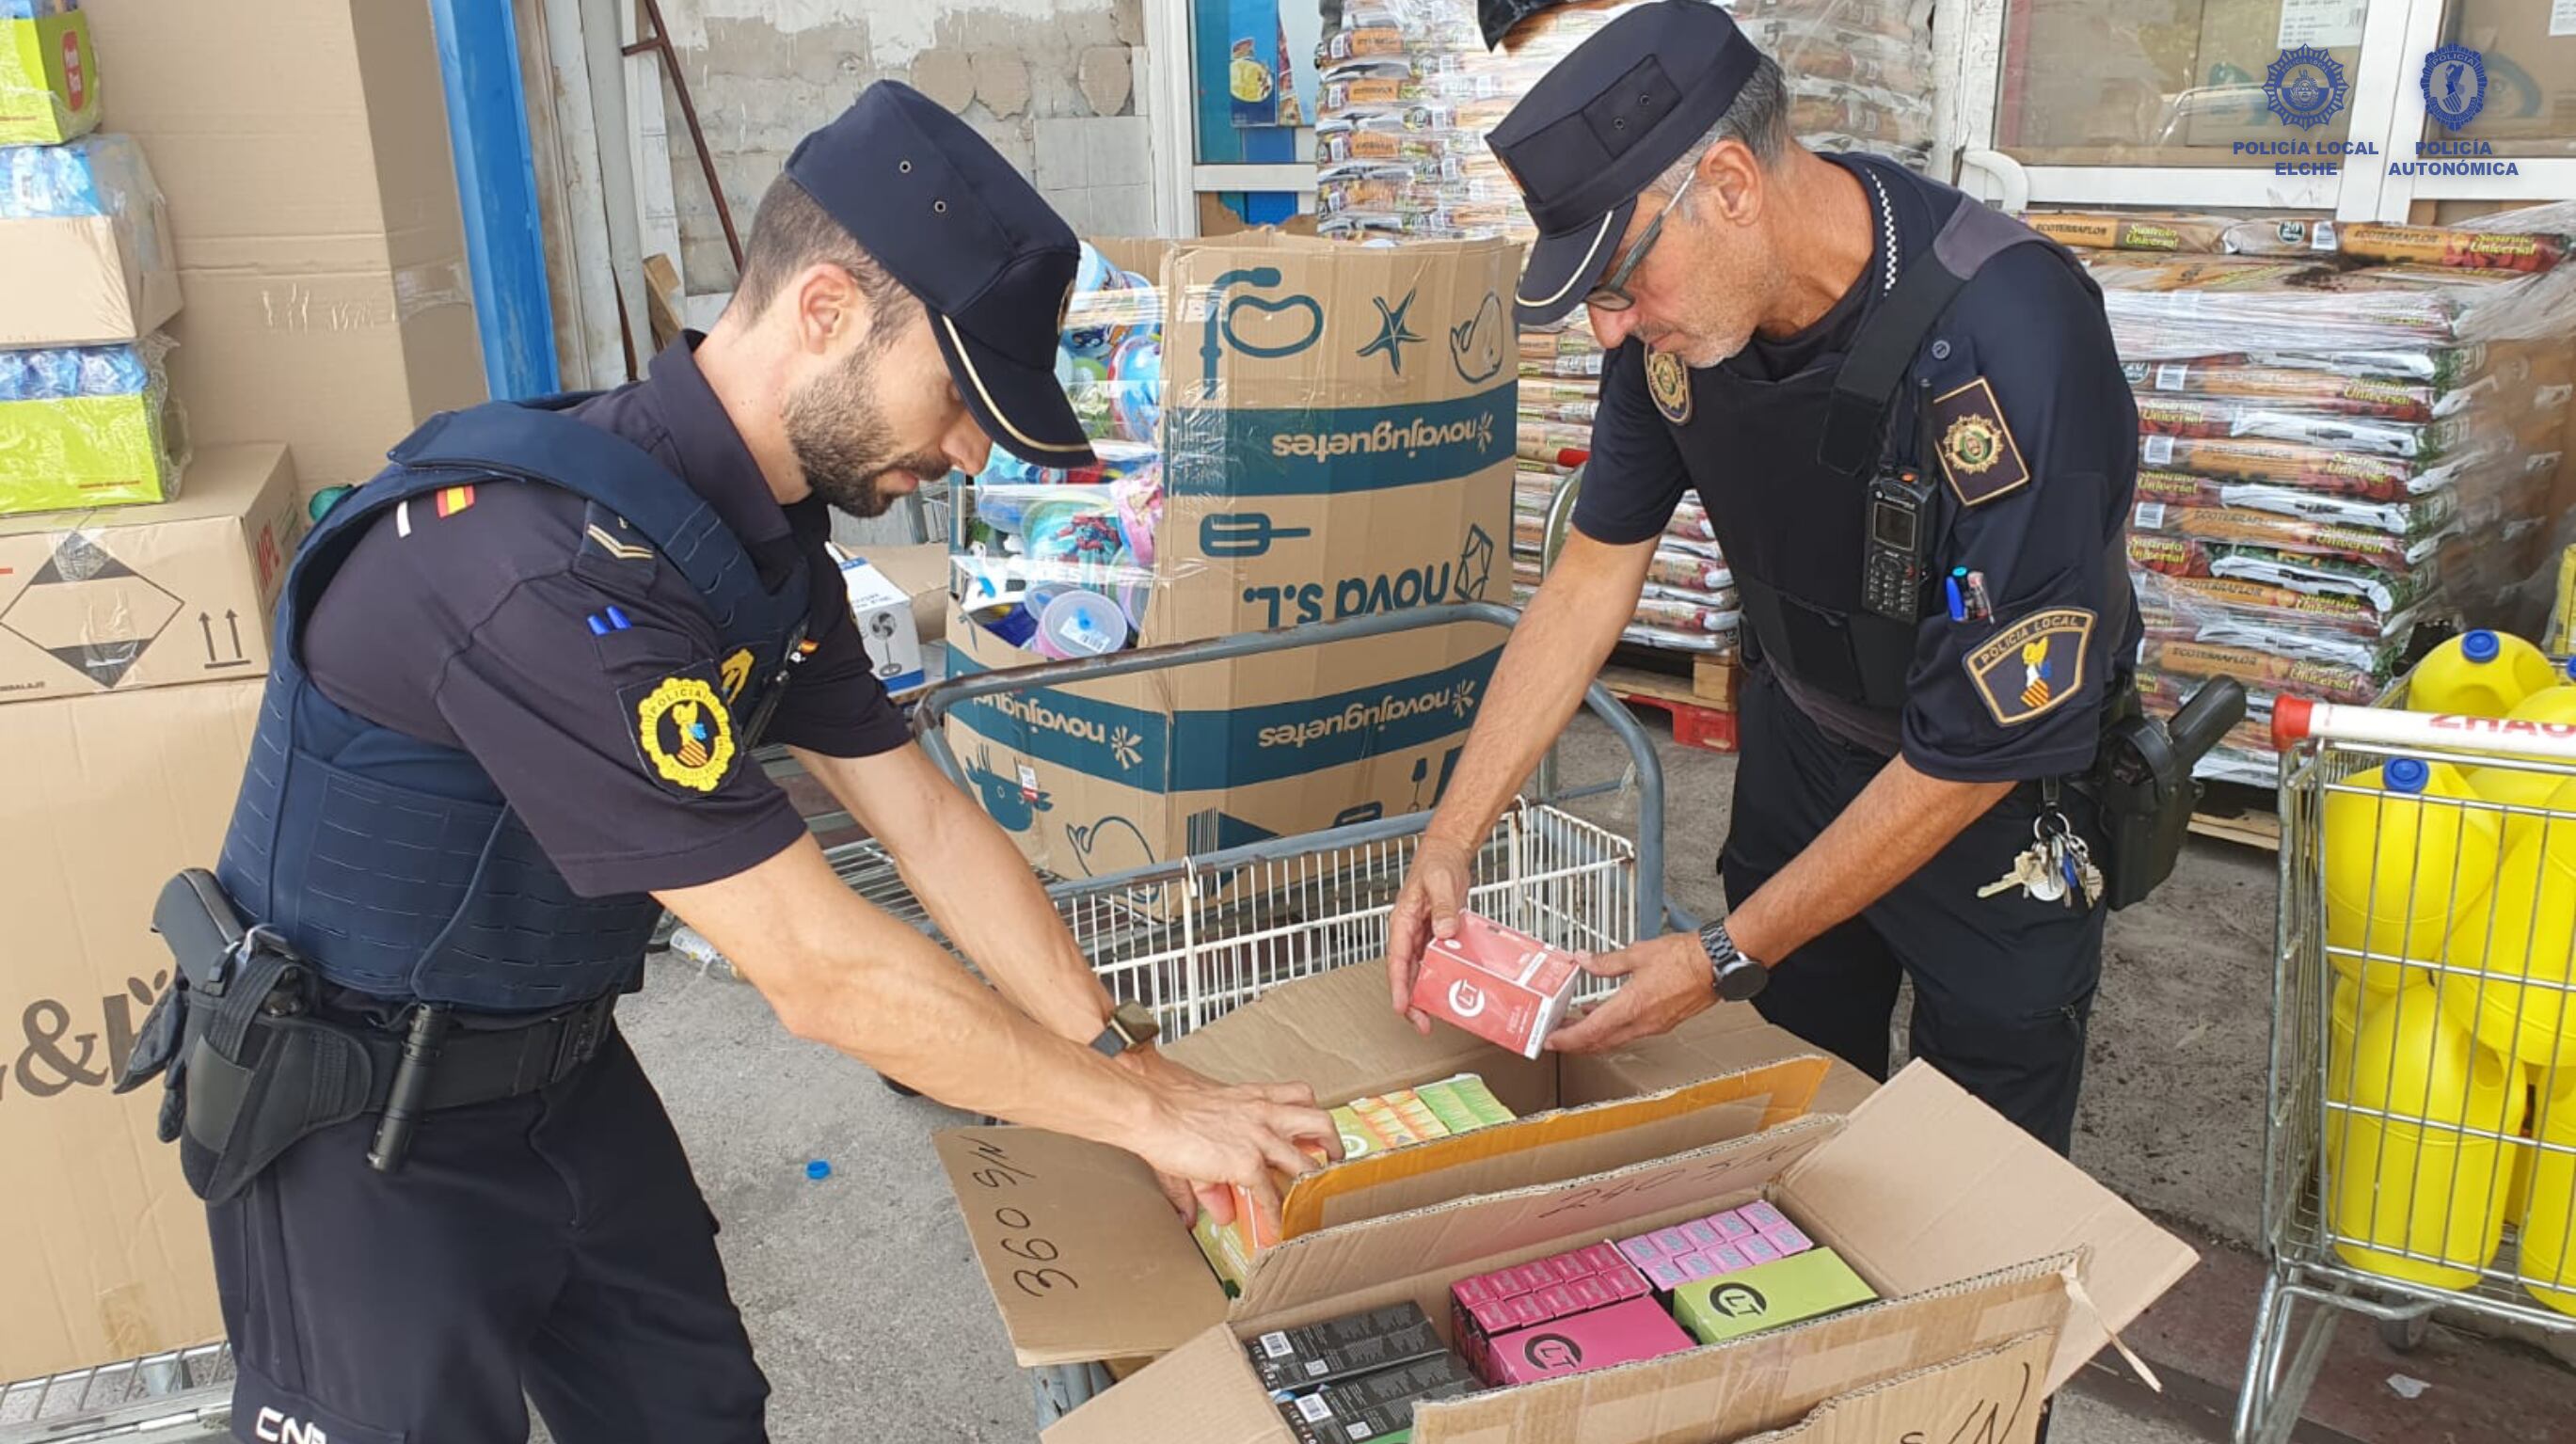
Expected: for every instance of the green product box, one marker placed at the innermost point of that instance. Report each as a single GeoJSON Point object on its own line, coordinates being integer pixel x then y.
{"type": "Point", "coordinates": [1480, 1100]}
{"type": "Point", "coordinates": [48, 80]}
{"type": "Point", "coordinates": [1224, 1250]}
{"type": "Point", "coordinates": [1358, 1139]}
{"type": "Point", "coordinates": [1443, 1100]}
{"type": "Point", "coordinates": [1769, 1296]}
{"type": "Point", "coordinates": [85, 451]}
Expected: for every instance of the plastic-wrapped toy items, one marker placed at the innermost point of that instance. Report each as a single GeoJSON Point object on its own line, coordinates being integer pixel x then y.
{"type": "Point", "coordinates": [1138, 499]}
{"type": "Point", "coordinates": [1135, 379]}
{"type": "Point", "coordinates": [87, 426]}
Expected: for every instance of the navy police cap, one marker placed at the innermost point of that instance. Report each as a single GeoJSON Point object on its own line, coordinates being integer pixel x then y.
{"type": "Point", "coordinates": [1598, 128]}
{"type": "Point", "coordinates": [941, 210]}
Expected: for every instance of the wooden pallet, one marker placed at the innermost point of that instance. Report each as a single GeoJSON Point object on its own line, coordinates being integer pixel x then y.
{"type": "Point", "coordinates": [1692, 677]}
{"type": "Point", "coordinates": [1696, 723]}
{"type": "Point", "coordinates": [2233, 812]}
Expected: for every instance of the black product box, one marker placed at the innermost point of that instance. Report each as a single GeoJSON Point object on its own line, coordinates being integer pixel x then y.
{"type": "Point", "coordinates": [1376, 1408]}
{"type": "Point", "coordinates": [1342, 1348]}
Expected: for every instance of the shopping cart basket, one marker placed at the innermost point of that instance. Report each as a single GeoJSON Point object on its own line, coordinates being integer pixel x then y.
{"type": "Point", "coordinates": [1198, 936]}
{"type": "Point", "coordinates": [2423, 1030]}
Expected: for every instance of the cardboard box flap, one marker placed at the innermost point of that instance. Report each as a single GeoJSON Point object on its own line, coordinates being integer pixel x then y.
{"type": "Point", "coordinates": [1084, 1255]}
{"type": "Point", "coordinates": [1554, 1146]}
{"type": "Point", "coordinates": [1763, 1381]}
{"type": "Point", "coordinates": [1201, 1392]}
{"type": "Point", "coordinates": [1338, 1033]}
{"type": "Point", "coordinates": [1375, 1253]}
{"type": "Point", "coordinates": [1724, 1039]}
{"type": "Point", "coordinates": [1991, 1397]}
{"type": "Point", "coordinates": [1982, 1196]}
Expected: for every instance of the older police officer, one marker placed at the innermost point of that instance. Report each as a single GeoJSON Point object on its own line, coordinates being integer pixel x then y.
{"type": "Point", "coordinates": [519, 680]}
{"type": "Point", "coordinates": [1904, 415]}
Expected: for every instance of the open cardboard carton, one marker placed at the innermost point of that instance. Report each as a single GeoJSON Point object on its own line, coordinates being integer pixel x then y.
{"type": "Point", "coordinates": [1087, 1261]}
{"type": "Point", "coordinates": [1972, 1234]}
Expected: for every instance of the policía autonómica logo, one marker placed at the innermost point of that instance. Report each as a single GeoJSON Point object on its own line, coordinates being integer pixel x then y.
{"type": "Point", "coordinates": [2455, 85]}
{"type": "Point", "coordinates": [2306, 86]}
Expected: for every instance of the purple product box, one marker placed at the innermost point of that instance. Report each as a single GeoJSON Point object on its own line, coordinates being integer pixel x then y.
{"type": "Point", "coordinates": [1760, 1250]}
{"type": "Point", "coordinates": [1731, 1225]}
{"type": "Point", "coordinates": [1641, 1250]}
{"type": "Point", "coordinates": [1788, 1239]}
{"type": "Point", "coordinates": [1729, 1257]}
{"type": "Point", "coordinates": [1672, 1242]}
{"type": "Point", "coordinates": [1701, 1233]}
{"type": "Point", "coordinates": [1697, 1266]}
{"type": "Point", "coordinates": [1763, 1216]}
{"type": "Point", "coordinates": [1667, 1275]}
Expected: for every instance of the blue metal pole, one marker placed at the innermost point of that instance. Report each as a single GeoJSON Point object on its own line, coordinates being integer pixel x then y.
{"type": "Point", "coordinates": [496, 181]}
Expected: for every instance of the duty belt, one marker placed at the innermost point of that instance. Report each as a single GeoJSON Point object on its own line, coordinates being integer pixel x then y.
{"type": "Point", "coordinates": [249, 1068]}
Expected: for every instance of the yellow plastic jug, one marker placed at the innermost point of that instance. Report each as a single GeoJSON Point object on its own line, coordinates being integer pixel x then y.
{"type": "Point", "coordinates": [2402, 858]}
{"type": "Point", "coordinates": [2517, 1189]}
{"type": "Point", "coordinates": [2343, 1024]}
{"type": "Point", "coordinates": [2523, 934]}
{"type": "Point", "coordinates": [2419, 1194]}
{"type": "Point", "coordinates": [2549, 1221]}
{"type": "Point", "coordinates": [2522, 786]}
{"type": "Point", "coordinates": [2479, 673]}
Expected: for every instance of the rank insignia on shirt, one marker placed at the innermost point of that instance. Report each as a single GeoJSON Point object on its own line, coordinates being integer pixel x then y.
{"type": "Point", "coordinates": [447, 501]}
{"type": "Point", "coordinates": [1976, 446]}
{"type": "Point", "coordinates": [2030, 668]}
{"type": "Point", "coordinates": [683, 731]}
{"type": "Point", "coordinates": [1668, 381]}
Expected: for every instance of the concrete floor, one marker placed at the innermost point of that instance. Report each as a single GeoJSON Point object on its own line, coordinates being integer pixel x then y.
{"type": "Point", "coordinates": [873, 1322]}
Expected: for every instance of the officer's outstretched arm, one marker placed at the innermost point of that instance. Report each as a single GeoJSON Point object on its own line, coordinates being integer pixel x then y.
{"type": "Point", "coordinates": [842, 972]}
{"type": "Point", "coordinates": [1559, 646]}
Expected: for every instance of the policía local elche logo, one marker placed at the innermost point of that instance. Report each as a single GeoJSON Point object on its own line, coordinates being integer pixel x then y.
{"type": "Point", "coordinates": [687, 733]}
{"type": "Point", "coordinates": [2306, 86]}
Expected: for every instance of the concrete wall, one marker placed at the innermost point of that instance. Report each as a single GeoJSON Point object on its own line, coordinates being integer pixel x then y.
{"type": "Point", "coordinates": [1053, 84]}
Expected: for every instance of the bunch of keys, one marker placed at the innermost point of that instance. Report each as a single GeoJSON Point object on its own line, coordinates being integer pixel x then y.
{"type": "Point", "coordinates": [2056, 867]}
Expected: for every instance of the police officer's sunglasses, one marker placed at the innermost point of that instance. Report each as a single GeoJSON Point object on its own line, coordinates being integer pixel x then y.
{"type": "Point", "coordinates": [1612, 293]}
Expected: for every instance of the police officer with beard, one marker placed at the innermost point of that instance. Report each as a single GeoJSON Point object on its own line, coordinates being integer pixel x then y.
{"type": "Point", "coordinates": [519, 678]}
{"type": "Point", "coordinates": [1905, 417]}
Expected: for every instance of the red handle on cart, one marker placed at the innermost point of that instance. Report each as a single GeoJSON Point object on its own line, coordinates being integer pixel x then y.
{"type": "Point", "coordinates": [2296, 718]}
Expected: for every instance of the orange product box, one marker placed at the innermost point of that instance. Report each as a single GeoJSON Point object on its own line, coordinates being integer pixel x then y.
{"type": "Point", "coordinates": [1498, 983]}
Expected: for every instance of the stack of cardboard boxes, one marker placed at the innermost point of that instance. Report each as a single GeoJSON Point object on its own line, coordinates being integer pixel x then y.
{"type": "Point", "coordinates": [305, 263]}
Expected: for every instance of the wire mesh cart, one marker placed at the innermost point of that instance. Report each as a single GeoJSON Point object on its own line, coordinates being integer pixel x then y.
{"type": "Point", "coordinates": [1197, 937]}
{"type": "Point", "coordinates": [2420, 1148]}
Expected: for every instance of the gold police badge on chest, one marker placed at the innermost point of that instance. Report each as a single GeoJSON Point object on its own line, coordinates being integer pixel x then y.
{"type": "Point", "coordinates": [1668, 381]}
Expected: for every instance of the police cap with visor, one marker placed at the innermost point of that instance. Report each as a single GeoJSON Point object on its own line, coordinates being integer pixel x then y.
{"type": "Point", "coordinates": [940, 209]}
{"type": "Point", "coordinates": [1600, 127]}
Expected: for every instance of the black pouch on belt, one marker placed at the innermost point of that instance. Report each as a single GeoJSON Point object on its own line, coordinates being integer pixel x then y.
{"type": "Point", "coordinates": [2144, 783]}
{"type": "Point", "coordinates": [245, 1072]}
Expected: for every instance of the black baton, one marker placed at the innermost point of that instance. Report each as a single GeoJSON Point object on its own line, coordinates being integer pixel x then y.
{"type": "Point", "coordinates": [409, 1096]}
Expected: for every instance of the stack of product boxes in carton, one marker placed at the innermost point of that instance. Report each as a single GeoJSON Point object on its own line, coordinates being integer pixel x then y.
{"type": "Point", "coordinates": [1288, 431]}
{"type": "Point", "coordinates": [87, 280]}
{"type": "Point", "coordinates": [1410, 88]}
{"type": "Point", "coordinates": [2347, 433]}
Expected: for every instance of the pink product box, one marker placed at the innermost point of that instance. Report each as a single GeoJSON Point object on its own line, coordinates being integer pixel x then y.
{"type": "Point", "coordinates": [1788, 1239]}
{"type": "Point", "coordinates": [1556, 1300]}
{"type": "Point", "coordinates": [1620, 1334]}
{"type": "Point", "coordinates": [1702, 1234]}
{"type": "Point", "coordinates": [1473, 1291]}
{"type": "Point", "coordinates": [1760, 1250]}
{"type": "Point", "coordinates": [1591, 1293]}
{"type": "Point", "coordinates": [1729, 1257]}
{"type": "Point", "coordinates": [1497, 983]}
{"type": "Point", "coordinates": [1526, 1311]}
{"type": "Point", "coordinates": [1569, 1267]}
{"type": "Point", "coordinates": [1763, 1216]}
{"type": "Point", "coordinates": [1493, 1316]}
{"type": "Point", "coordinates": [1627, 1283]}
{"type": "Point", "coordinates": [1641, 1250]}
{"type": "Point", "coordinates": [1603, 1257]}
{"type": "Point", "coordinates": [1673, 1242]}
{"type": "Point", "coordinates": [1697, 1266]}
{"type": "Point", "coordinates": [1535, 1276]}
{"type": "Point", "coordinates": [1731, 1225]}
{"type": "Point", "coordinates": [1666, 1274]}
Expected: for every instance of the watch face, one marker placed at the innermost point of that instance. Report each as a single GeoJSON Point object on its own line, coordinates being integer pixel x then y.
{"type": "Point", "coordinates": [1742, 980]}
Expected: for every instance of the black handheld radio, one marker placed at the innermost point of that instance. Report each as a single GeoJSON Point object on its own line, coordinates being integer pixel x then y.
{"type": "Point", "coordinates": [1896, 548]}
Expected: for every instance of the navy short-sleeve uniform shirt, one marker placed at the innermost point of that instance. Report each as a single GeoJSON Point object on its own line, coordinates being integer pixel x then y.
{"type": "Point", "coordinates": [463, 619]}
{"type": "Point", "coordinates": [2028, 332]}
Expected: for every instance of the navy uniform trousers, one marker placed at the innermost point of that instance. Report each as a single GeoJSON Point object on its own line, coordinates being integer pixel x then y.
{"type": "Point", "coordinates": [554, 1243]}
{"type": "Point", "coordinates": [2003, 985]}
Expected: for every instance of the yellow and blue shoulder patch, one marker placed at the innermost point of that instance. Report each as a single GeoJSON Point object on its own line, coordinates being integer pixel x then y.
{"type": "Point", "coordinates": [1975, 444]}
{"type": "Point", "coordinates": [1668, 381]}
{"type": "Point", "coordinates": [683, 731]}
{"type": "Point", "coordinates": [2030, 668]}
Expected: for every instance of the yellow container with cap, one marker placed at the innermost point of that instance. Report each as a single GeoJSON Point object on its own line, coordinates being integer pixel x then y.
{"type": "Point", "coordinates": [2343, 1023]}
{"type": "Point", "coordinates": [2402, 858]}
{"type": "Point", "coordinates": [2526, 786]}
{"type": "Point", "coordinates": [2479, 673]}
{"type": "Point", "coordinates": [2549, 1220]}
{"type": "Point", "coordinates": [2418, 1190]}
{"type": "Point", "coordinates": [2512, 955]}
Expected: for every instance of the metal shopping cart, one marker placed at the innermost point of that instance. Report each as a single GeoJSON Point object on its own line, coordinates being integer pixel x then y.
{"type": "Point", "coordinates": [2421, 1132]}
{"type": "Point", "coordinates": [1196, 937]}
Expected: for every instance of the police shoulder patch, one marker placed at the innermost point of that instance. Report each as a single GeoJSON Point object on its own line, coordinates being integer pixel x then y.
{"type": "Point", "coordinates": [683, 730]}
{"type": "Point", "coordinates": [2030, 668]}
{"type": "Point", "coordinates": [1668, 381]}
{"type": "Point", "coordinates": [1975, 444]}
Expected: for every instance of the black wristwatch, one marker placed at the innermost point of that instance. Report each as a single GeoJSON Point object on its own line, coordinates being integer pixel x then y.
{"type": "Point", "coordinates": [1738, 977]}
{"type": "Point", "coordinates": [1131, 1026]}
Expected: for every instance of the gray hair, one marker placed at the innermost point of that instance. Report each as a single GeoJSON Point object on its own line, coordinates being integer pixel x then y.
{"type": "Point", "coordinates": [1759, 117]}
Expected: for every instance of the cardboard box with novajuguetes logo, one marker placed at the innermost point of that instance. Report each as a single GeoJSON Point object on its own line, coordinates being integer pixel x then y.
{"type": "Point", "coordinates": [1336, 432]}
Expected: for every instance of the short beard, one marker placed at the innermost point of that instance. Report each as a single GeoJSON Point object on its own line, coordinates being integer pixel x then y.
{"type": "Point", "coordinates": [842, 442]}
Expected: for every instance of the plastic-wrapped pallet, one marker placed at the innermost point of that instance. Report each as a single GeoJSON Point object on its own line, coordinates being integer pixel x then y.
{"type": "Point", "coordinates": [2333, 452]}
